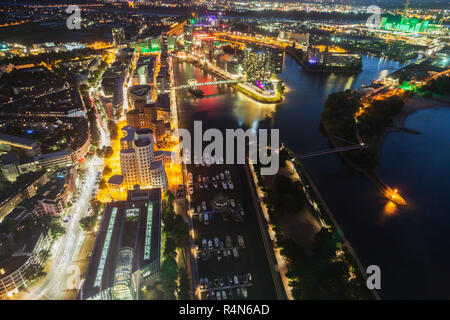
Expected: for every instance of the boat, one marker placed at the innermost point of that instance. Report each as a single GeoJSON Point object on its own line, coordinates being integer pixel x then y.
{"type": "Point", "coordinates": [194, 90]}
{"type": "Point", "coordinates": [244, 292]}
{"type": "Point", "coordinates": [228, 242]}
{"type": "Point", "coordinates": [241, 241]}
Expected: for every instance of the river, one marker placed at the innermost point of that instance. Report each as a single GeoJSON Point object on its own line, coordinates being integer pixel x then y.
{"type": "Point", "coordinates": [409, 244]}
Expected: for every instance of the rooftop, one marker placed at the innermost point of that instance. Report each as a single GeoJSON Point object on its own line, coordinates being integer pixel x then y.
{"type": "Point", "coordinates": [132, 224]}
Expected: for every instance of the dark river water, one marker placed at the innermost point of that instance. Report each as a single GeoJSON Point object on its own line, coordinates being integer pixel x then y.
{"type": "Point", "coordinates": [410, 245]}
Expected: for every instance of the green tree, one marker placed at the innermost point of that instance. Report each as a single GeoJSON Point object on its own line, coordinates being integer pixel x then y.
{"type": "Point", "coordinates": [103, 184]}
{"type": "Point", "coordinates": [169, 274]}
{"type": "Point", "coordinates": [87, 223]}
{"type": "Point", "coordinates": [108, 152]}
{"type": "Point", "coordinates": [170, 248]}
{"type": "Point", "coordinates": [113, 130]}
{"type": "Point", "coordinates": [56, 229]}
{"type": "Point", "coordinates": [107, 170]}
{"type": "Point", "coordinates": [44, 255]}
{"type": "Point", "coordinates": [35, 271]}
{"type": "Point", "coordinates": [183, 290]}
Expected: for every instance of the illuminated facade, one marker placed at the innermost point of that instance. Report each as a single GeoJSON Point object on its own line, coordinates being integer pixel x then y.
{"type": "Point", "coordinates": [118, 35]}
{"type": "Point", "coordinates": [124, 288]}
{"type": "Point", "coordinates": [127, 251]}
{"type": "Point", "coordinates": [137, 161]}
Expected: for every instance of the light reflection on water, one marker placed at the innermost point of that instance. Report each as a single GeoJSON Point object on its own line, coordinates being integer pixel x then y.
{"type": "Point", "coordinates": [380, 232]}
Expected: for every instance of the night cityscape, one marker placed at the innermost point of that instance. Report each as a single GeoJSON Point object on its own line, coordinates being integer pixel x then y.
{"type": "Point", "coordinates": [224, 150]}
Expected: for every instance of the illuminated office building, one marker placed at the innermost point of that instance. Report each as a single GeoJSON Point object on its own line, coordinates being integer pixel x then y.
{"type": "Point", "coordinates": [127, 250]}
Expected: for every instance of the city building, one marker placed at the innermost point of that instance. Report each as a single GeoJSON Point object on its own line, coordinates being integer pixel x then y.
{"type": "Point", "coordinates": [298, 38]}
{"type": "Point", "coordinates": [142, 115]}
{"type": "Point", "coordinates": [261, 63]}
{"type": "Point", "coordinates": [12, 166]}
{"type": "Point", "coordinates": [137, 160]}
{"type": "Point", "coordinates": [159, 128]}
{"type": "Point", "coordinates": [108, 107]}
{"type": "Point", "coordinates": [118, 35]}
{"type": "Point", "coordinates": [127, 250]}
{"type": "Point", "coordinates": [115, 183]}
{"type": "Point", "coordinates": [23, 188]}
{"type": "Point", "coordinates": [28, 146]}
{"type": "Point", "coordinates": [54, 195]}
{"type": "Point", "coordinates": [331, 58]}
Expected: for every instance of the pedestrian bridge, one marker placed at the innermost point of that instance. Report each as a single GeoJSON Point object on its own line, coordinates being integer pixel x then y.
{"type": "Point", "coordinates": [194, 84]}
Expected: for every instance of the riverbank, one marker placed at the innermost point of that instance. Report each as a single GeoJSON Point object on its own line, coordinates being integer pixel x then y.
{"type": "Point", "coordinates": [300, 256]}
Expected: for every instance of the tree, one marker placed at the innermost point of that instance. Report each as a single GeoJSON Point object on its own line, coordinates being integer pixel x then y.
{"type": "Point", "coordinates": [56, 229]}
{"type": "Point", "coordinates": [108, 151]}
{"type": "Point", "coordinates": [169, 274]}
{"type": "Point", "coordinates": [107, 170]}
{"type": "Point", "coordinates": [113, 130]}
{"type": "Point", "coordinates": [103, 184]}
{"type": "Point", "coordinates": [169, 196]}
{"type": "Point", "coordinates": [44, 255]}
{"type": "Point", "coordinates": [183, 290]}
{"type": "Point", "coordinates": [169, 248]}
{"type": "Point", "coordinates": [87, 223]}
{"type": "Point", "coordinates": [96, 205]}
{"type": "Point", "coordinates": [35, 271]}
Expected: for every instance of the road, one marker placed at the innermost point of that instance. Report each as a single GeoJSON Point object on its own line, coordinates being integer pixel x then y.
{"type": "Point", "coordinates": [65, 251]}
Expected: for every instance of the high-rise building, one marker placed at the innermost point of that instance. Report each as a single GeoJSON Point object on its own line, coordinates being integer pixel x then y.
{"type": "Point", "coordinates": [118, 35]}
{"type": "Point", "coordinates": [137, 161]}
{"type": "Point", "coordinates": [142, 115]}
